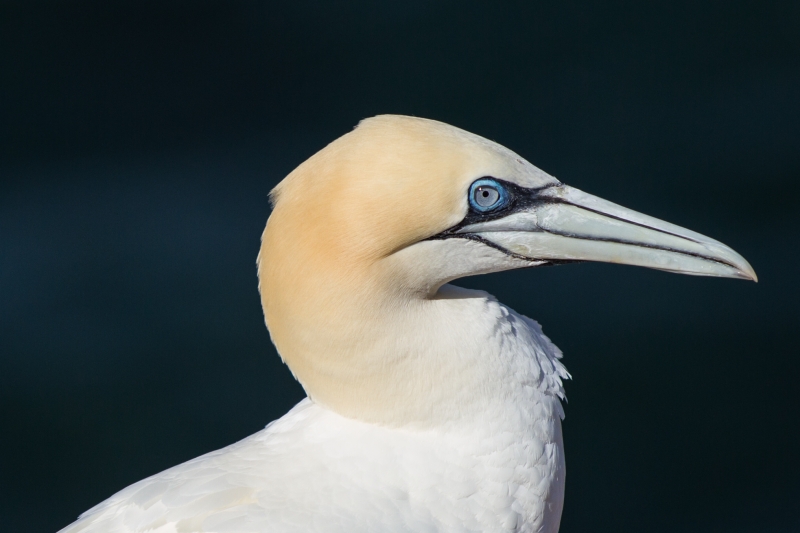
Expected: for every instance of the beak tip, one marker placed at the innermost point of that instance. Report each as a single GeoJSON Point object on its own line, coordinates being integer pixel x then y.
{"type": "Point", "coordinates": [749, 274]}
{"type": "Point", "coordinates": [749, 271]}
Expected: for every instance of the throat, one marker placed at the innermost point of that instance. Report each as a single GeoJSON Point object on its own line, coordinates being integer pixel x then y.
{"type": "Point", "coordinates": [451, 359]}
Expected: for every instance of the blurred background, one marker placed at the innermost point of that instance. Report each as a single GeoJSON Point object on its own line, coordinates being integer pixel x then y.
{"type": "Point", "coordinates": [139, 140]}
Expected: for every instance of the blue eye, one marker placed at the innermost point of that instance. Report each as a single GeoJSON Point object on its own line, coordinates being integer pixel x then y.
{"type": "Point", "coordinates": [487, 195]}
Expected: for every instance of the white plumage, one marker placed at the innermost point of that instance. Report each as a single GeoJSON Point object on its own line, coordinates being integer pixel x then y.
{"type": "Point", "coordinates": [431, 408]}
{"type": "Point", "coordinates": [316, 471]}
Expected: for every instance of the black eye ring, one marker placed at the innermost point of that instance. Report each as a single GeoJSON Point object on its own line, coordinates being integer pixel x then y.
{"type": "Point", "coordinates": [487, 194]}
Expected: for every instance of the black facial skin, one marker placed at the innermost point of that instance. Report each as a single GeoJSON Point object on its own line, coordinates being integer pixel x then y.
{"type": "Point", "coordinates": [519, 199]}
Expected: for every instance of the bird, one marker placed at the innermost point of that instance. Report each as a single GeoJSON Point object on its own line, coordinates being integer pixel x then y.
{"type": "Point", "coordinates": [429, 407]}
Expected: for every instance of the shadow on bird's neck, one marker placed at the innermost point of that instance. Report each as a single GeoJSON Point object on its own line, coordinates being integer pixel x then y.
{"type": "Point", "coordinates": [370, 346]}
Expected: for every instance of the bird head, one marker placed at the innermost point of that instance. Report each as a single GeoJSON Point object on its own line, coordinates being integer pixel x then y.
{"type": "Point", "coordinates": [375, 223]}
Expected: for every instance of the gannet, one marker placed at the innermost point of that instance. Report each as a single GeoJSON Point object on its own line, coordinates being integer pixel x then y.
{"type": "Point", "coordinates": [430, 408]}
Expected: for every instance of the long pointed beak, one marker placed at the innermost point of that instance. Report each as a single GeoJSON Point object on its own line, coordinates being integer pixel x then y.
{"type": "Point", "coordinates": [565, 224]}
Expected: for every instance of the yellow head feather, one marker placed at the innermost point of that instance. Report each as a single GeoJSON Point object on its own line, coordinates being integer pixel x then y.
{"type": "Point", "coordinates": [330, 295]}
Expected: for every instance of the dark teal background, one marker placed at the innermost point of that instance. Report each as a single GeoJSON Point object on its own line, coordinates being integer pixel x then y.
{"type": "Point", "coordinates": [139, 140]}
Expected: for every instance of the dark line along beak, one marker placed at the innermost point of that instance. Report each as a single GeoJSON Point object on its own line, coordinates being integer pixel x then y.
{"type": "Point", "coordinates": [566, 224]}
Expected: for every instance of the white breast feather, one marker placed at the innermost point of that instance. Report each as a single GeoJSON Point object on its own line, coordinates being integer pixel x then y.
{"type": "Point", "coordinates": [315, 471]}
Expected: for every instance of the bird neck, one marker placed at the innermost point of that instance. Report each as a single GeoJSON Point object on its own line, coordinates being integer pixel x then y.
{"type": "Point", "coordinates": [409, 358]}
